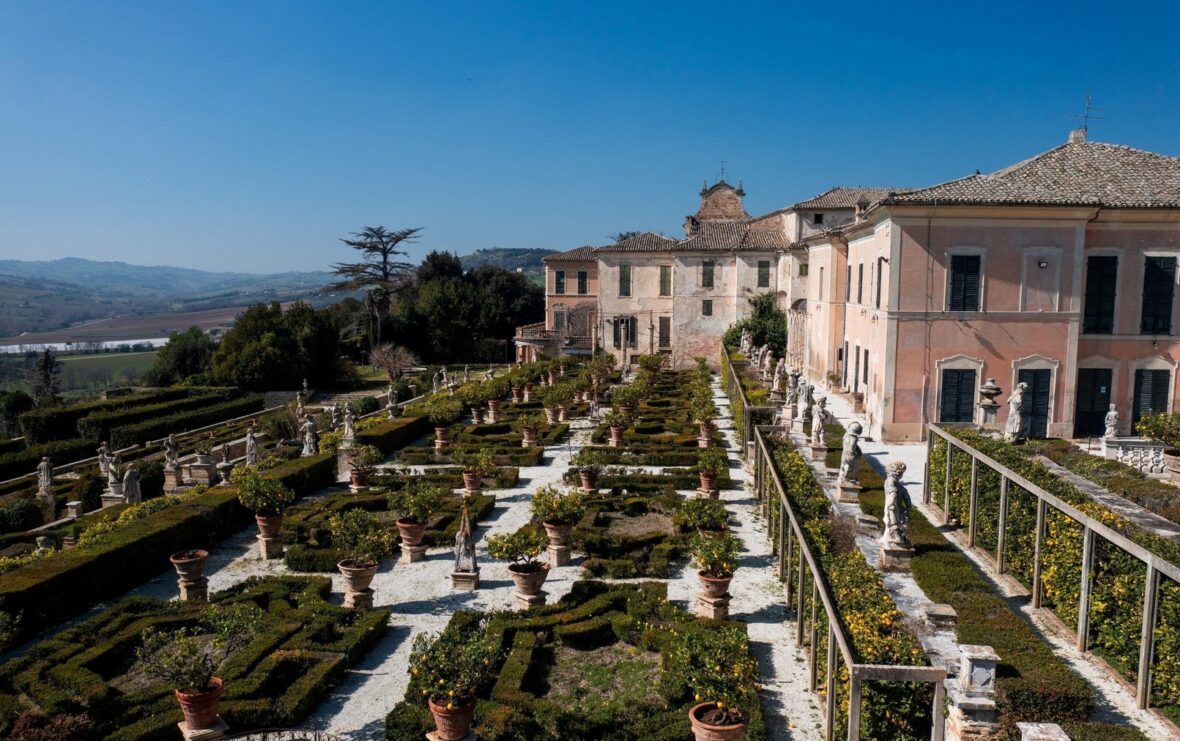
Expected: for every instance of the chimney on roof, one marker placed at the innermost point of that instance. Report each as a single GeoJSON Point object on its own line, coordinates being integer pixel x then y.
{"type": "Point", "coordinates": [862, 205]}
{"type": "Point", "coordinates": [1077, 136]}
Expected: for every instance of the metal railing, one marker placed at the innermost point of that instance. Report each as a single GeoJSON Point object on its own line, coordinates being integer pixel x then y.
{"type": "Point", "coordinates": [1091, 529]}
{"type": "Point", "coordinates": [737, 393]}
{"type": "Point", "coordinates": [800, 570]}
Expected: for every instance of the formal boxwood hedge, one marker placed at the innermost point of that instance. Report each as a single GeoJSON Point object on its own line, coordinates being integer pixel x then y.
{"type": "Point", "coordinates": [303, 646]}
{"type": "Point", "coordinates": [158, 427]}
{"type": "Point", "coordinates": [1116, 604]}
{"type": "Point", "coordinates": [593, 614]}
{"type": "Point", "coordinates": [61, 422]}
{"type": "Point", "coordinates": [390, 435]}
{"type": "Point", "coordinates": [57, 587]}
{"type": "Point", "coordinates": [98, 425]}
{"type": "Point", "coordinates": [22, 462]}
{"type": "Point", "coordinates": [617, 556]}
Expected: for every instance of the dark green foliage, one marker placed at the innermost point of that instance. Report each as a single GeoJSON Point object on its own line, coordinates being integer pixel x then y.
{"type": "Point", "coordinates": [269, 348]}
{"type": "Point", "coordinates": [61, 422]}
{"type": "Point", "coordinates": [158, 427]}
{"type": "Point", "coordinates": [88, 490]}
{"type": "Point", "coordinates": [97, 426]}
{"type": "Point", "coordinates": [12, 405]}
{"type": "Point", "coordinates": [303, 646]}
{"type": "Point", "coordinates": [19, 515]}
{"type": "Point", "coordinates": [46, 380]}
{"type": "Point", "coordinates": [767, 324]}
{"type": "Point", "coordinates": [21, 462]}
{"type": "Point", "coordinates": [185, 355]}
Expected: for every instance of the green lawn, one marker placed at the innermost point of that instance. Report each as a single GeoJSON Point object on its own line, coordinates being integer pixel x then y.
{"type": "Point", "coordinates": [116, 369]}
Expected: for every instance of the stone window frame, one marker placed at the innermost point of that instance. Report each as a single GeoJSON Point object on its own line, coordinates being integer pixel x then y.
{"type": "Point", "coordinates": [981, 252]}
{"type": "Point", "coordinates": [1141, 273]}
{"type": "Point", "coordinates": [758, 266]}
{"type": "Point", "coordinates": [583, 282]}
{"type": "Point", "coordinates": [559, 282]}
{"type": "Point", "coordinates": [1037, 361]}
{"type": "Point", "coordinates": [711, 265]}
{"type": "Point", "coordinates": [671, 280]}
{"type": "Point", "coordinates": [1026, 253]}
{"type": "Point", "coordinates": [707, 307]}
{"type": "Point", "coordinates": [954, 362]}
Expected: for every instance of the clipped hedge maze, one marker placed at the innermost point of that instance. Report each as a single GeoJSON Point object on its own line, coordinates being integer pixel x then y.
{"type": "Point", "coordinates": [594, 665]}
{"type": "Point", "coordinates": [631, 536]}
{"type": "Point", "coordinates": [303, 647]}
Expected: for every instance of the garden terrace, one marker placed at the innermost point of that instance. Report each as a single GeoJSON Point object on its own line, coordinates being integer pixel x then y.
{"type": "Point", "coordinates": [304, 645]}
{"type": "Point", "coordinates": [609, 641]}
{"type": "Point", "coordinates": [1070, 552]}
{"type": "Point", "coordinates": [630, 536]}
{"type": "Point", "coordinates": [618, 478]}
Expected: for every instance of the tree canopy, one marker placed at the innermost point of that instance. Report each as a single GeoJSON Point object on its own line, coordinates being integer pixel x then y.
{"type": "Point", "coordinates": [185, 356]}
{"type": "Point", "coordinates": [272, 349]}
{"type": "Point", "coordinates": [767, 324]}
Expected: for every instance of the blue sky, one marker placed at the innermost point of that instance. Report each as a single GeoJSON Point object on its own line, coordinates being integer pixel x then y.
{"type": "Point", "coordinates": [250, 136]}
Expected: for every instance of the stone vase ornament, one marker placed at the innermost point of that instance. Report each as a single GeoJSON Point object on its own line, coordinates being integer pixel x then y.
{"type": "Point", "coordinates": [453, 724]}
{"type": "Point", "coordinates": [200, 708]}
{"type": "Point", "coordinates": [616, 437]}
{"type": "Point", "coordinates": [471, 481]}
{"type": "Point", "coordinates": [704, 434]}
{"type": "Point", "coordinates": [551, 415]}
{"type": "Point", "coordinates": [559, 535]}
{"type": "Point", "coordinates": [476, 416]}
{"type": "Point", "coordinates": [493, 411]}
{"type": "Point", "coordinates": [357, 578]}
{"type": "Point", "coordinates": [269, 526]}
{"type": "Point", "coordinates": [709, 483]}
{"type": "Point", "coordinates": [703, 731]}
{"type": "Point", "coordinates": [589, 479]}
{"type": "Point", "coordinates": [358, 480]}
{"type": "Point", "coordinates": [442, 438]}
{"type": "Point", "coordinates": [190, 565]}
{"type": "Point", "coordinates": [517, 395]}
{"type": "Point", "coordinates": [714, 586]}
{"type": "Point", "coordinates": [529, 437]}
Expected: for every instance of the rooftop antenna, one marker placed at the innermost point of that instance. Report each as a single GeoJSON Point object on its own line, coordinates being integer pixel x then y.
{"type": "Point", "coordinates": [1088, 113]}
{"type": "Point", "coordinates": [722, 176]}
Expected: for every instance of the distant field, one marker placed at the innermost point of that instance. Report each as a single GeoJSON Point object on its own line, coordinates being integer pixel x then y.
{"type": "Point", "coordinates": [115, 369]}
{"type": "Point", "coordinates": [131, 327]}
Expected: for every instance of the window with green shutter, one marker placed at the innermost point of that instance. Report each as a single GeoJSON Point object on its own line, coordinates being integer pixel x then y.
{"type": "Point", "coordinates": [764, 273]}
{"type": "Point", "coordinates": [1101, 279]}
{"type": "Point", "coordinates": [957, 403]}
{"type": "Point", "coordinates": [964, 283]}
{"type": "Point", "coordinates": [624, 280]}
{"type": "Point", "coordinates": [665, 280]}
{"type": "Point", "coordinates": [707, 269]}
{"type": "Point", "coordinates": [559, 281]}
{"type": "Point", "coordinates": [1159, 281]}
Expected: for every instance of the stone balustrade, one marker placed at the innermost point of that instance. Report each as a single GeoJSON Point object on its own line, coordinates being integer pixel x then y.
{"type": "Point", "coordinates": [1139, 453]}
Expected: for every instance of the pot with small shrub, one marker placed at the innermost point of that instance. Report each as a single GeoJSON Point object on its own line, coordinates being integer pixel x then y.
{"type": "Point", "coordinates": [448, 669]}
{"type": "Point", "coordinates": [413, 505]}
{"type": "Point", "coordinates": [626, 398]}
{"type": "Point", "coordinates": [716, 559]}
{"type": "Point", "coordinates": [442, 412]}
{"type": "Point", "coordinates": [530, 425]}
{"type": "Point", "coordinates": [1165, 428]}
{"type": "Point", "coordinates": [189, 658]}
{"type": "Point", "coordinates": [266, 497]}
{"type": "Point", "coordinates": [711, 463]}
{"type": "Point", "coordinates": [521, 549]}
{"type": "Point", "coordinates": [363, 541]}
{"type": "Point", "coordinates": [704, 411]}
{"type": "Point", "coordinates": [722, 676]}
{"type": "Point", "coordinates": [477, 465]}
{"type": "Point", "coordinates": [362, 462]}
{"type": "Point", "coordinates": [708, 516]}
{"type": "Point", "coordinates": [548, 398]}
{"type": "Point", "coordinates": [528, 391]}
{"type": "Point", "coordinates": [590, 462]}
{"type": "Point", "coordinates": [617, 421]}
{"type": "Point", "coordinates": [558, 512]}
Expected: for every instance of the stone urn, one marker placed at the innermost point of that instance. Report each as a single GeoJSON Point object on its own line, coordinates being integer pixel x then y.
{"type": "Point", "coordinates": [200, 708]}
{"type": "Point", "coordinates": [616, 437]}
{"type": "Point", "coordinates": [589, 479]}
{"type": "Point", "coordinates": [453, 724]}
{"type": "Point", "coordinates": [704, 434]}
{"type": "Point", "coordinates": [708, 481]}
{"type": "Point", "coordinates": [529, 437]}
{"type": "Point", "coordinates": [442, 437]}
{"type": "Point", "coordinates": [703, 731]}
{"type": "Point", "coordinates": [471, 481]}
{"type": "Point", "coordinates": [493, 410]}
{"type": "Point", "coordinates": [559, 535]}
{"type": "Point", "coordinates": [517, 394]}
{"type": "Point", "coordinates": [476, 415]}
{"type": "Point", "coordinates": [561, 410]}
{"type": "Point", "coordinates": [529, 583]}
{"type": "Point", "coordinates": [357, 576]}
{"type": "Point", "coordinates": [269, 526]}
{"type": "Point", "coordinates": [190, 565]}
{"type": "Point", "coordinates": [528, 391]}
{"type": "Point", "coordinates": [550, 415]}
{"type": "Point", "coordinates": [357, 479]}
{"type": "Point", "coordinates": [411, 532]}
{"type": "Point", "coordinates": [714, 586]}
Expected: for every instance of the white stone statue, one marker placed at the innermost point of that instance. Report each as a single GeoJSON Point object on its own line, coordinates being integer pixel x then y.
{"type": "Point", "coordinates": [850, 456]}
{"type": "Point", "coordinates": [467, 374]}
{"type": "Point", "coordinates": [115, 471]}
{"type": "Point", "coordinates": [300, 411]}
{"type": "Point", "coordinates": [436, 382]}
{"type": "Point", "coordinates": [104, 460]}
{"type": "Point", "coordinates": [251, 448]}
{"type": "Point", "coordinates": [820, 416]}
{"type": "Point", "coordinates": [131, 493]}
{"type": "Point", "coordinates": [792, 390]}
{"type": "Point", "coordinates": [897, 508]}
{"type": "Point", "coordinates": [44, 545]}
{"type": "Point", "coordinates": [311, 438]}
{"type": "Point", "coordinates": [305, 388]}
{"type": "Point", "coordinates": [349, 426]}
{"type": "Point", "coordinates": [777, 383]}
{"type": "Point", "coordinates": [1015, 423]}
{"type": "Point", "coordinates": [171, 452]}
{"type": "Point", "coordinates": [1112, 423]}
{"type": "Point", "coordinates": [45, 477]}
{"type": "Point", "coordinates": [334, 412]}
{"type": "Point", "coordinates": [489, 374]}
{"type": "Point", "coordinates": [465, 546]}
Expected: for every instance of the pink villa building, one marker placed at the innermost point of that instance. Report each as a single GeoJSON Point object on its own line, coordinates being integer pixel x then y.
{"type": "Point", "coordinates": [571, 308]}
{"type": "Point", "coordinates": [1058, 272]}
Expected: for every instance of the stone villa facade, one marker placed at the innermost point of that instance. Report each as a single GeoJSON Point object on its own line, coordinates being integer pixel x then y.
{"type": "Point", "coordinates": [1058, 272]}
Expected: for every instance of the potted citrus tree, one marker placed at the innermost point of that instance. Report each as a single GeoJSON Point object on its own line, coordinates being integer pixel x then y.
{"type": "Point", "coordinates": [590, 463]}
{"type": "Point", "coordinates": [711, 463]}
{"type": "Point", "coordinates": [707, 516]}
{"type": "Point", "coordinates": [521, 550]}
{"type": "Point", "coordinates": [722, 677]}
{"type": "Point", "coordinates": [362, 462]}
{"type": "Point", "coordinates": [267, 498]}
{"type": "Point", "coordinates": [414, 504]}
{"type": "Point", "coordinates": [189, 658]}
{"type": "Point", "coordinates": [442, 411]}
{"type": "Point", "coordinates": [716, 559]}
{"type": "Point", "coordinates": [530, 425]}
{"type": "Point", "coordinates": [362, 540]}
{"type": "Point", "coordinates": [450, 667]}
{"type": "Point", "coordinates": [558, 512]}
{"type": "Point", "coordinates": [1165, 428]}
{"type": "Point", "coordinates": [477, 465]}
{"type": "Point", "coordinates": [616, 420]}
{"type": "Point", "coordinates": [704, 411]}
{"type": "Point", "coordinates": [626, 398]}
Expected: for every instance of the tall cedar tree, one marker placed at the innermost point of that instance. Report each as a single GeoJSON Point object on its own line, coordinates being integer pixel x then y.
{"type": "Point", "coordinates": [46, 380]}
{"type": "Point", "coordinates": [380, 273]}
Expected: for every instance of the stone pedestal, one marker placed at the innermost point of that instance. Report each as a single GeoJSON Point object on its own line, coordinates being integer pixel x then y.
{"type": "Point", "coordinates": [847, 491]}
{"type": "Point", "coordinates": [215, 732]}
{"type": "Point", "coordinates": [362, 600]}
{"type": "Point", "coordinates": [818, 452]}
{"type": "Point", "coordinates": [941, 616]}
{"type": "Point", "coordinates": [559, 555]}
{"type": "Point", "coordinates": [703, 442]}
{"type": "Point", "coordinates": [709, 493]}
{"type": "Point", "coordinates": [525, 601]}
{"type": "Point", "coordinates": [799, 424]}
{"type": "Point", "coordinates": [202, 473]}
{"type": "Point", "coordinates": [895, 558]}
{"type": "Point", "coordinates": [973, 715]}
{"type": "Point", "coordinates": [74, 509]}
{"type": "Point", "coordinates": [113, 495]}
{"type": "Point", "coordinates": [413, 553]}
{"type": "Point", "coordinates": [1041, 732]}
{"type": "Point", "coordinates": [715, 608]}
{"type": "Point", "coordinates": [968, 719]}
{"type": "Point", "coordinates": [171, 479]}
{"type": "Point", "coordinates": [465, 580]}
{"type": "Point", "coordinates": [194, 590]}
{"type": "Point", "coordinates": [48, 509]}
{"type": "Point", "coordinates": [270, 548]}
{"type": "Point", "coordinates": [441, 445]}
{"type": "Point", "coordinates": [434, 736]}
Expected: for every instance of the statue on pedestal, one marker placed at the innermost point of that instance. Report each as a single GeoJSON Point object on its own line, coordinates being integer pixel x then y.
{"type": "Point", "coordinates": [311, 438]}
{"type": "Point", "coordinates": [349, 427]}
{"type": "Point", "coordinates": [467, 374]}
{"type": "Point", "coordinates": [45, 478]}
{"type": "Point", "coordinates": [251, 448]}
{"type": "Point", "coordinates": [1112, 423]}
{"type": "Point", "coordinates": [850, 456]}
{"type": "Point", "coordinates": [489, 374]}
{"type": "Point", "coordinates": [104, 460]}
{"type": "Point", "coordinates": [334, 411]}
{"type": "Point", "coordinates": [820, 416]}
{"type": "Point", "coordinates": [171, 452]}
{"type": "Point", "coordinates": [897, 508]}
{"type": "Point", "coordinates": [300, 411]}
{"type": "Point", "coordinates": [1015, 425]}
{"type": "Point", "coordinates": [131, 493]}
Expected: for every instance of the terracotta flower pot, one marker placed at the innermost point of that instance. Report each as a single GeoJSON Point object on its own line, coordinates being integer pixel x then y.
{"type": "Point", "coordinates": [471, 481]}
{"type": "Point", "coordinates": [550, 415]}
{"type": "Point", "coordinates": [269, 526]}
{"type": "Point", "coordinates": [708, 481]}
{"type": "Point", "coordinates": [589, 479]}
{"type": "Point", "coordinates": [616, 436]}
{"type": "Point", "coordinates": [561, 411]}
{"type": "Point", "coordinates": [476, 415]}
{"type": "Point", "coordinates": [528, 392]}
{"type": "Point", "coordinates": [703, 731]}
{"type": "Point", "coordinates": [1172, 464]}
{"type": "Point", "coordinates": [494, 406]}
{"type": "Point", "coordinates": [190, 565]}
{"type": "Point", "coordinates": [200, 708]}
{"type": "Point", "coordinates": [453, 724]}
{"type": "Point", "coordinates": [529, 583]}
{"type": "Point", "coordinates": [357, 478]}
{"type": "Point", "coordinates": [530, 438]}
{"type": "Point", "coordinates": [517, 395]}
{"type": "Point", "coordinates": [411, 532]}
{"type": "Point", "coordinates": [442, 437]}
{"type": "Point", "coordinates": [357, 577]}
{"type": "Point", "coordinates": [558, 534]}
{"type": "Point", "coordinates": [714, 586]}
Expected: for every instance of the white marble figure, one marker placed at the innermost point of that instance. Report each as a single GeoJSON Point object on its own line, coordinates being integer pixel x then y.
{"type": "Point", "coordinates": [311, 438]}
{"type": "Point", "coordinates": [436, 382]}
{"type": "Point", "coordinates": [1112, 423]}
{"type": "Point", "coordinates": [465, 546]}
{"type": "Point", "coordinates": [305, 388]}
{"type": "Point", "coordinates": [104, 460]}
{"type": "Point", "coordinates": [850, 456]}
{"type": "Point", "coordinates": [349, 426]}
{"type": "Point", "coordinates": [45, 477]}
{"type": "Point", "coordinates": [792, 390]}
{"type": "Point", "coordinates": [489, 374]}
{"type": "Point", "coordinates": [115, 470]}
{"type": "Point", "coordinates": [334, 411]}
{"type": "Point", "coordinates": [897, 508]}
{"type": "Point", "coordinates": [44, 545]}
{"type": "Point", "coordinates": [300, 411]}
{"type": "Point", "coordinates": [131, 493]}
{"type": "Point", "coordinates": [1015, 420]}
{"type": "Point", "coordinates": [776, 384]}
{"type": "Point", "coordinates": [820, 416]}
{"type": "Point", "coordinates": [171, 452]}
{"type": "Point", "coordinates": [251, 448]}
{"type": "Point", "coordinates": [467, 374]}
{"type": "Point", "coordinates": [594, 413]}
